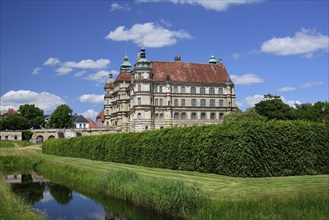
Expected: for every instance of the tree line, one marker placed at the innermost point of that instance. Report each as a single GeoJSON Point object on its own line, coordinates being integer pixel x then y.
{"type": "Point", "coordinates": [31, 117]}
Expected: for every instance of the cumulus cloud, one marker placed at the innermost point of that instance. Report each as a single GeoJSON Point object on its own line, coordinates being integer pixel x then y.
{"type": "Point", "coordinates": [251, 101]}
{"type": "Point", "coordinates": [246, 79]}
{"type": "Point", "coordinates": [208, 4]}
{"type": "Point", "coordinates": [303, 86]}
{"type": "Point", "coordinates": [92, 98]}
{"type": "Point", "coordinates": [153, 35]}
{"type": "Point", "coordinates": [90, 113]}
{"type": "Point", "coordinates": [69, 66]}
{"type": "Point", "coordinates": [100, 76]}
{"type": "Point", "coordinates": [36, 71]}
{"type": "Point", "coordinates": [305, 42]}
{"type": "Point", "coordinates": [44, 100]}
{"type": "Point", "coordinates": [115, 7]}
{"type": "Point", "coordinates": [51, 62]}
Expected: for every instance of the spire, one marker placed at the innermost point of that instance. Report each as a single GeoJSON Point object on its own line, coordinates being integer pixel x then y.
{"type": "Point", "coordinates": [212, 60]}
{"type": "Point", "coordinates": [125, 66]}
{"type": "Point", "coordinates": [142, 53]}
{"type": "Point", "coordinates": [110, 79]}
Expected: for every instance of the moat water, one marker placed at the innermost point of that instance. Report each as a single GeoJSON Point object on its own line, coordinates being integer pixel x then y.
{"type": "Point", "coordinates": [57, 201]}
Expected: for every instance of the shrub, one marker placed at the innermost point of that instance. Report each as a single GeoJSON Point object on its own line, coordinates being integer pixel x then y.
{"type": "Point", "coordinates": [245, 149]}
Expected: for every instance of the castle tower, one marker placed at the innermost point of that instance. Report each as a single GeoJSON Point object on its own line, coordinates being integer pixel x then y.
{"type": "Point", "coordinates": [141, 114]}
{"type": "Point", "coordinates": [108, 88]}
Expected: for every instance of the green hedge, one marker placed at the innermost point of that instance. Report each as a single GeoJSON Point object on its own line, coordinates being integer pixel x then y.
{"type": "Point", "coordinates": [245, 149]}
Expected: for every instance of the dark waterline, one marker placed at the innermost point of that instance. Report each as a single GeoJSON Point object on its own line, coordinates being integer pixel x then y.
{"type": "Point", "coordinates": [59, 202]}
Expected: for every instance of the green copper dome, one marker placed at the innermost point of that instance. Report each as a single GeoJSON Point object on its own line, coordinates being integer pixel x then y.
{"type": "Point", "coordinates": [212, 60]}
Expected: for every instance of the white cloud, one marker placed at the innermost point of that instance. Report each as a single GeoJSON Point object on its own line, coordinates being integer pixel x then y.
{"type": "Point", "coordinates": [51, 61]}
{"type": "Point", "coordinates": [215, 5]}
{"type": "Point", "coordinates": [303, 86]}
{"type": "Point", "coordinates": [36, 71]}
{"type": "Point", "coordinates": [304, 42]}
{"type": "Point", "coordinates": [92, 98]}
{"type": "Point", "coordinates": [251, 101]}
{"type": "Point", "coordinates": [44, 100]}
{"type": "Point", "coordinates": [246, 79]}
{"type": "Point", "coordinates": [152, 35]}
{"type": "Point", "coordinates": [238, 55]}
{"type": "Point", "coordinates": [69, 66]}
{"type": "Point", "coordinates": [90, 113]}
{"type": "Point", "coordinates": [79, 74]}
{"type": "Point", "coordinates": [115, 7]}
{"type": "Point", "coordinates": [287, 89]}
{"type": "Point", "coordinates": [100, 76]}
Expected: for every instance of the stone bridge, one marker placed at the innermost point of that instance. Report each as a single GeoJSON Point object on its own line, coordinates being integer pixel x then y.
{"type": "Point", "coordinates": [41, 135]}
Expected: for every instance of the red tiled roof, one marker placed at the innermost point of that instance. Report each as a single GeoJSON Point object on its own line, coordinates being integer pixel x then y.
{"type": "Point", "coordinates": [109, 86]}
{"type": "Point", "coordinates": [92, 124]}
{"type": "Point", "coordinates": [10, 111]}
{"type": "Point", "coordinates": [190, 72]}
{"type": "Point", "coordinates": [101, 115]}
{"type": "Point", "coordinates": [123, 76]}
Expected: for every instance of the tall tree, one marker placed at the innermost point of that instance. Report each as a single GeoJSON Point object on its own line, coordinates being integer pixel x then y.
{"type": "Point", "coordinates": [273, 107]}
{"type": "Point", "coordinates": [317, 112]}
{"type": "Point", "coordinates": [61, 117]}
{"type": "Point", "coordinates": [14, 122]}
{"type": "Point", "coordinates": [33, 114]}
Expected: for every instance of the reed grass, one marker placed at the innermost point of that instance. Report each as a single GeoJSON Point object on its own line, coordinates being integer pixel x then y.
{"type": "Point", "coordinates": [216, 197]}
{"type": "Point", "coordinates": [13, 207]}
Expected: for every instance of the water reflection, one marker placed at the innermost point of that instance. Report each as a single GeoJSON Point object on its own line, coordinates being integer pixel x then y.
{"type": "Point", "coordinates": [59, 202]}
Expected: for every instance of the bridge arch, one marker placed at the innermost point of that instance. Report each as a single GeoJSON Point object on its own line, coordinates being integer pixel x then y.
{"type": "Point", "coordinates": [51, 136]}
{"type": "Point", "coordinates": [39, 139]}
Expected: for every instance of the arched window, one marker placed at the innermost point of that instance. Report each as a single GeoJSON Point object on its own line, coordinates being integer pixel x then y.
{"type": "Point", "coordinates": [183, 115]}
{"type": "Point", "coordinates": [193, 115]}
{"type": "Point", "coordinates": [193, 102]}
{"type": "Point", "coordinates": [212, 116]}
{"type": "Point", "coordinates": [203, 115]}
{"type": "Point", "coordinates": [183, 102]}
{"type": "Point", "coordinates": [175, 89]}
{"type": "Point", "coordinates": [156, 116]}
{"type": "Point", "coordinates": [182, 89]}
{"type": "Point", "coordinates": [139, 115]}
{"type": "Point", "coordinates": [202, 90]}
{"type": "Point", "coordinates": [220, 91]}
{"type": "Point", "coordinates": [212, 102]}
{"type": "Point", "coordinates": [193, 90]}
{"type": "Point", "coordinates": [161, 115]}
{"type": "Point", "coordinates": [221, 115]}
{"type": "Point", "coordinates": [176, 115]}
{"type": "Point", "coordinates": [211, 90]}
{"type": "Point", "coordinates": [221, 103]}
{"type": "Point", "coordinates": [203, 103]}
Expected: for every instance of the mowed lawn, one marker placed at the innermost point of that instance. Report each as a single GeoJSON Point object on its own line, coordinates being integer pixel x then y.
{"type": "Point", "coordinates": [216, 187]}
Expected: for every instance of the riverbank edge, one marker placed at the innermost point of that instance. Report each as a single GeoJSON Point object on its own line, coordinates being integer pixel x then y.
{"type": "Point", "coordinates": [304, 205]}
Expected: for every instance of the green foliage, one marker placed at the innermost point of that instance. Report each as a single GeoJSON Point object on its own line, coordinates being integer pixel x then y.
{"type": "Point", "coordinates": [245, 149]}
{"type": "Point", "coordinates": [318, 112]}
{"type": "Point", "coordinates": [249, 115]}
{"type": "Point", "coordinates": [61, 117]}
{"type": "Point", "coordinates": [33, 114]}
{"type": "Point", "coordinates": [14, 122]}
{"type": "Point", "coordinates": [274, 108]}
{"type": "Point", "coordinates": [27, 134]}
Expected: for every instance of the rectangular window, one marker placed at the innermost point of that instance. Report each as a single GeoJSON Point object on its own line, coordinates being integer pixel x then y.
{"type": "Point", "coordinates": [183, 102]}
{"type": "Point", "coordinates": [156, 102]}
{"type": "Point", "coordinates": [202, 90]}
{"type": "Point", "coordinates": [220, 91]}
{"type": "Point", "coordinates": [175, 89]}
{"type": "Point", "coordinates": [160, 88]}
{"type": "Point", "coordinates": [139, 101]}
{"type": "Point", "coordinates": [211, 90]}
{"type": "Point", "coordinates": [155, 88]}
{"type": "Point", "coordinates": [193, 102]}
{"type": "Point", "coordinates": [161, 102]}
{"type": "Point", "coordinates": [139, 75]}
{"type": "Point", "coordinates": [182, 89]}
{"type": "Point", "coordinates": [175, 102]}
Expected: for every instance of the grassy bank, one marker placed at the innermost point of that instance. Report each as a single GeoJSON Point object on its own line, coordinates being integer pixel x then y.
{"type": "Point", "coordinates": [12, 207]}
{"type": "Point", "coordinates": [298, 197]}
{"type": "Point", "coordinates": [9, 144]}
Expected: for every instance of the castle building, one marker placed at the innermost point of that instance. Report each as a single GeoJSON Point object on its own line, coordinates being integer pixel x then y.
{"type": "Point", "coordinates": [157, 94]}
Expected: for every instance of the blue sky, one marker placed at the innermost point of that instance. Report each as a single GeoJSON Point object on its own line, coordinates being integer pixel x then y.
{"type": "Point", "coordinates": [55, 52]}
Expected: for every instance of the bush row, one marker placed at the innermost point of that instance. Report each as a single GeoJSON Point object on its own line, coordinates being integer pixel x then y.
{"type": "Point", "coordinates": [245, 149]}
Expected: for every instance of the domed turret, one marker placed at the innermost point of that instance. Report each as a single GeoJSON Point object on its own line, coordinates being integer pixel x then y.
{"type": "Point", "coordinates": [126, 65]}
{"type": "Point", "coordinates": [212, 60]}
